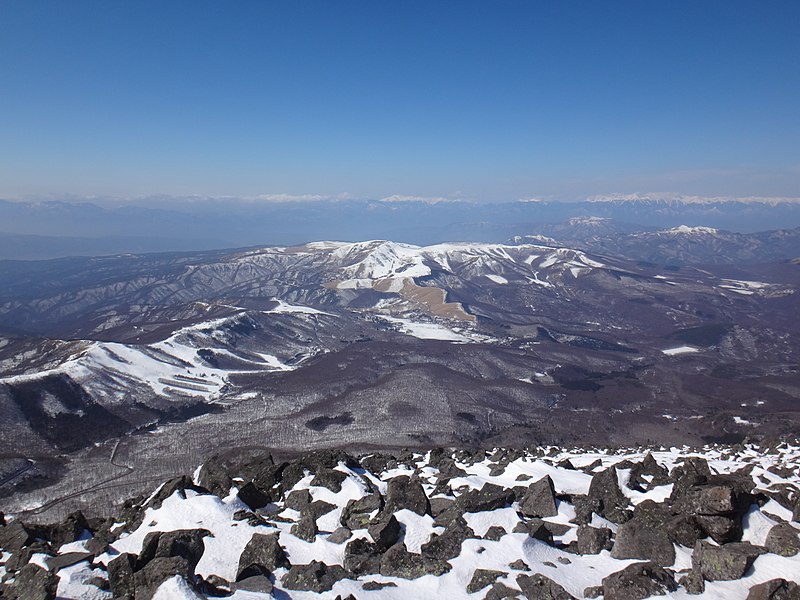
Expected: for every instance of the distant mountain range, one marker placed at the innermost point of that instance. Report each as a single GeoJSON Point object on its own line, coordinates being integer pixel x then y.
{"type": "Point", "coordinates": [681, 245]}
{"type": "Point", "coordinates": [75, 229]}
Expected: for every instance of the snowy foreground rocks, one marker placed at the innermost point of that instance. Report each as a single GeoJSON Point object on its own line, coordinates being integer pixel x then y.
{"type": "Point", "coordinates": [541, 524]}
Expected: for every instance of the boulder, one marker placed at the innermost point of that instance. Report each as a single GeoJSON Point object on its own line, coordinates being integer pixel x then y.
{"type": "Point", "coordinates": [726, 562]}
{"type": "Point", "coordinates": [156, 572]}
{"type": "Point", "coordinates": [384, 531]}
{"type": "Point", "coordinates": [693, 582]}
{"type": "Point", "coordinates": [340, 535]}
{"type": "Point", "coordinates": [177, 485]}
{"type": "Point", "coordinates": [482, 578]}
{"type": "Point", "coordinates": [447, 545]}
{"type": "Point", "coordinates": [604, 488]}
{"type": "Point", "coordinates": [68, 559]}
{"type": "Point", "coordinates": [120, 576]}
{"type": "Point", "coordinates": [313, 577]}
{"type": "Point", "coordinates": [214, 476]}
{"type": "Point", "coordinates": [362, 557]}
{"type": "Point", "coordinates": [185, 543]}
{"type": "Point", "coordinates": [398, 562]}
{"type": "Point", "coordinates": [330, 479]}
{"type": "Point", "coordinates": [593, 540]}
{"type": "Point", "coordinates": [32, 582]}
{"type": "Point", "coordinates": [297, 500]}
{"type": "Point", "coordinates": [262, 553]}
{"type": "Point", "coordinates": [539, 499]}
{"type": "Point", "coordinates": [259, 584]}
{"type": "Point", "coordinates": [501, 592]}
{"type": "Point", "coordinates": [489, 497]}
{"type": "Point", "coordinates": [71, 529]}
{"type": "Point", "coordinates": [585, 507]}
{"type": "Point", "coordinates": [306, 527]}
{"type": "Point", "coordinates": [783, 539]}
{"type": "Point", "coordinates": [315, 462]}
{"type": "Point", "coordinates": [357, 514]}
{"type": "Point", "coordinates": [721, 528]}
{"type": "Point", "coordinates": [539, 587]}
{"type": "Point", "coordinates": [775, 589]}
{"type": "Point", "coordinates": [639, 538]}
{"type": "Point", "coordinates": [638, 581]}
{"type": "Point", "coordinates": [537, 529]}
{"type": "Point", "coordinates": [253, 496]}
{"type": "Point", "coordinates": [406, 493]}
{"type": "Point", "coordinates": [494, 533]}
{"type": "Point", "coordinates": [14, 536]}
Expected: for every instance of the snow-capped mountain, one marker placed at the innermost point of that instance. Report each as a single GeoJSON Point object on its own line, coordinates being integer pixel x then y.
{"type": "Point", "coordinates": [144, 364]}
{"type": "Point", "coordinates": [679, 245]}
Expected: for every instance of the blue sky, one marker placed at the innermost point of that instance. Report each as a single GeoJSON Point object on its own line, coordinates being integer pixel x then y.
{"type": "Point", "coordinates": [481, 100]}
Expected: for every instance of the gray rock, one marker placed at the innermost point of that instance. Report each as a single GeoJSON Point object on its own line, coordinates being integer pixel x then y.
{"type": "Point", "coordinates": [447, 544]}
{"type": "Point", "coordinates": [385, 531]}
{"type": "Point", "coordinates": [494, 533]}
{"type": "Point", "coordinates": [374, 586]}
{"type": "Point", "coordinates": [593, 540]}
{"type": "Point", "coordinates": [185, 543]}
{"type": "Point", "coordinates": [638, 581]}
{"type": "Point", "coordinates": [177, 485]}
{"type": "Point", "coordinates": [783, 539]}
{"type": "Point", "coordinates": [262, 555]}
{"type": "Point", "coordinates": [501, 592]}
{"type": "Point", "coordinates": [539, 499]}
{"type": "Point", "coordinates": [406, 493]}
{"type": "Point", "coordinates": [693, 582]}
{"type": "Point", "coordinates": [440, 504]}
{"type": "Point", "coordinates": [398, 562]}
{"type": "Point", "coordinates": [537, 529]}
{"type": "Point", "coordinates": [340, 535]}
{"type": "Point", "coordinates": [156, 572]}
{"type": "Point", "coordinates": [32, 583]}
{"type": "Point", "coordinates": [639, 539]}
{"type": "Point", "coordinates": [539, 587]}
{"type": "Point", "coordinates": [519, 565]}
{"type": "Point", "coordinates": [775, 589]}
{"type": "Point", "coordinates": [329, 478]}
{"type": "Point", "coordinates": [297, 500]}
{"type": "Point", "coordinates": [482, 578]}
{"type": "Point", "coordinates": [357, 514]}
{"type": "Point", "coordinates": [362, 557]}
{"type": "Point", "coordinates": [604, 488]}
{"type": "Point", "coordinates": [120, 576]}
{"type": "Point", "coordinates": [255, 583]}
{"type": "Point", "coordinates": [726, 562]}
{"type": "Point", "coordinates": [14, 536]}
{"type": "Point", "coordinates": [489, 497]}
{"type": "Point", "coordinates": [313, 577]}
{"type": "Point", "coordinates": [254, 496]}
{"type": "Point", "coordinates": [306, 527]}
{"type": "Point", "coordinates": [68, 559]}
{"type": "Point", "coordinates": [721, 528]}
{"type": "Point", "coordinates": [594, 591]}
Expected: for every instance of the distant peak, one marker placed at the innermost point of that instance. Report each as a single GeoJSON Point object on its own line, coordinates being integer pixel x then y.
{"type": "Point", "coordinates": [588, 220]}
{"type": "Point", "coordinates": [686, 229]}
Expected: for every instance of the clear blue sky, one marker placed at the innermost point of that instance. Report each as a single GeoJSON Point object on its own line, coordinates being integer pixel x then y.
{"type": "Point", "coordinates": [486, 100]}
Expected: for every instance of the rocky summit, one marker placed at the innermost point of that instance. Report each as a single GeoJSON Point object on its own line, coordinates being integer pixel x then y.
{"type": "Point", "coordinates": [542, 523]}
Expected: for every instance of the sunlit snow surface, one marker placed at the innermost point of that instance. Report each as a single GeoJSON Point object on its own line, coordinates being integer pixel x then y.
{"type": "Point", "coordinates": [228, 537]}
{"type": "Point", "coordinates": [172, 366]}
{"type": "Point", "coordinates": [680, 350]}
